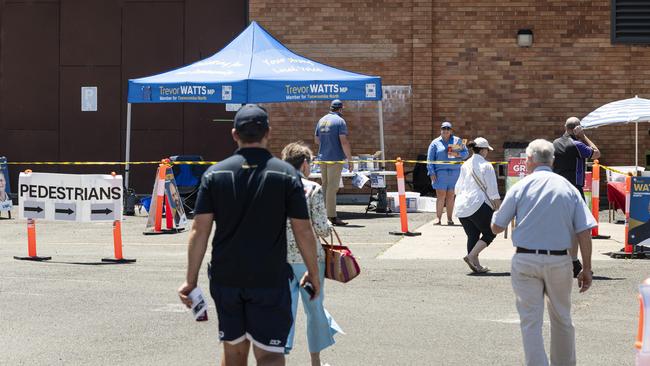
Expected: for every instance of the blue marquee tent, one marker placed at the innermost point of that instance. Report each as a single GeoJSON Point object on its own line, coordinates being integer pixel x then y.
{"type": "Point", "coordinates": [253, 68]}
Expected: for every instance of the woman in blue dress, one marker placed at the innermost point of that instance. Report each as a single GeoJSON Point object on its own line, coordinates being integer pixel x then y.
{"type": "Point", "coordinates": [448, 148]}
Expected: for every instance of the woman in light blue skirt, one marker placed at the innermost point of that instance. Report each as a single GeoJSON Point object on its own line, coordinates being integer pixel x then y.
{"type": "Point", "coordinates": [321, 327]}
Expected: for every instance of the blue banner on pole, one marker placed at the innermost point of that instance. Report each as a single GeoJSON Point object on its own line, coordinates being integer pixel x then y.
{"type": "Point", "coordinates": [639, 233]}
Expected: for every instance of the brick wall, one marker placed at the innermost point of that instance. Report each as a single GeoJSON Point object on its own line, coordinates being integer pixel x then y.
{"type": "Point", "coordinates": [462, 63]}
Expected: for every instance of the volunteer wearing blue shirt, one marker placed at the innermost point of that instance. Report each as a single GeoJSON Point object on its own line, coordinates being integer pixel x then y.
{"type": "Point", "coordinates": [447, 147]}
{"type": "Point", "coordinates": [332, 137]}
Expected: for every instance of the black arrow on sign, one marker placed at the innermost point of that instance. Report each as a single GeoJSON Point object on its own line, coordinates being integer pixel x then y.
{"type": "Point", "coordinates": [66, 211]}
{"type": "Point", "coordinates": [38, 209]}
{"type": "Point", "coordinates": [105, 211]}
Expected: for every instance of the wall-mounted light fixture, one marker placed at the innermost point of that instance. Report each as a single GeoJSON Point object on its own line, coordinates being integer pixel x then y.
{"type": "Point", "coordinates": [524, 38]}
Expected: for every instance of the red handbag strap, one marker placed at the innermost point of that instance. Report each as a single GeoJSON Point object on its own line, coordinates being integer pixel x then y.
{"type": "Point", "coordinates": [331, 241]}
{"type": "Point", "coordinates": [338, 238]}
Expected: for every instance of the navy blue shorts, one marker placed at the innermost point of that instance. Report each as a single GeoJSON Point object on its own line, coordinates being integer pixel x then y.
{"type": "Point", "coordinates": [261, 315]}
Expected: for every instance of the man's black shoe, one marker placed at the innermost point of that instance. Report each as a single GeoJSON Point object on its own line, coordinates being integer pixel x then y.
{"type": "Point", "coordinates": [577, 267]}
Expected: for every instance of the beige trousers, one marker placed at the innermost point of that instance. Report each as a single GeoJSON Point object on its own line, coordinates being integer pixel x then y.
{"type": "Point", "coordinates": [533, 276]}
{"type": "Point", "coordinates": [331, 176]}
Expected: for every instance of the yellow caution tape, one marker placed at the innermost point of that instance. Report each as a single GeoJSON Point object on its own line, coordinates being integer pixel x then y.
{"type": "Point", "coordinates": [214, 162]}
{"type": "Point", "coordinates": [79, 162]}
{"type": "Point", "coordinates": [613, 170]}
{"type": "Point", "coordinates": [403, 161]}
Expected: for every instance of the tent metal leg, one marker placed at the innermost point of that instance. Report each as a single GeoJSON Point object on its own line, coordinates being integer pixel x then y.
{"type": "Point", "coordinates": [127, 154]}
{"type": "Point", "coordinates": [381, 193]}
{"type": "Point", "coordinates": [636, 147]}
{"type": "Point", "coordinates": [381, 130]}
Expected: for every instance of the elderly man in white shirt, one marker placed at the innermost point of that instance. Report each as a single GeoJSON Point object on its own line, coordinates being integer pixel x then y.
{"type": "Point", "coordinates": [550, 213]}
{"type": "Point", "coordinates": [477, 196]}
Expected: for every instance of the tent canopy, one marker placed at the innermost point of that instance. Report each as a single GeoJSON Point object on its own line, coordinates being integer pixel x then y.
{"type": "Point", "coordinates": [254, 68]}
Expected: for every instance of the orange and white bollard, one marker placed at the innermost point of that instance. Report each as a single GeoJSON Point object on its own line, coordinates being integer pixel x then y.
{"type": "Point", "coordinates": [117, 245]}
{"type": "Point", "coordinates": [160, 200]}
{"type": "Point", "coordinates": [117, 242]}
{"type": "Point", "coordinates": [401, 190]}
{"type": "Point", "coordinates": [643, 348]}
{"type": "Point", "coordinates": [628, 188]}
{"type": "Point", "coordinates": [31, 244]}
{"type": "Point", "coordinates": [31, 240]}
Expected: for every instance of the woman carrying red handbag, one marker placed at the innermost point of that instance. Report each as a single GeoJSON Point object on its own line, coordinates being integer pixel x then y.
{"type": "Point", "coordinates": [321, 327]}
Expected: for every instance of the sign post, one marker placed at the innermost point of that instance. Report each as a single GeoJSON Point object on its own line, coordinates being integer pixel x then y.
{"type": "Point", "coordinates": [516, 172]}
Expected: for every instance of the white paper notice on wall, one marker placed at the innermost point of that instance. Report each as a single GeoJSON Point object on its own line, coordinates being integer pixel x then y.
{"type": "Point", "coordinates": [70, 197]}
{"type": "Point", "coordinates": [89, 99]}
{"type": "Point", "coordinates": [232, 107]}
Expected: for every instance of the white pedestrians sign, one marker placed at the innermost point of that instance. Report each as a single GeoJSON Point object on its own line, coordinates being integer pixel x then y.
{"type": "Point", "coordinates": [70, 197]}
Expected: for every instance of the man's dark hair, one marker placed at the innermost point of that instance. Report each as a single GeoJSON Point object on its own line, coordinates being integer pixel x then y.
{"type": "Point", "coordinates": [251, 133]}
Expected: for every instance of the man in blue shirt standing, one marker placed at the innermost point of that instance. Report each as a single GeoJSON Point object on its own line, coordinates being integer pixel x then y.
{"type": "Point", "coordinates": [550, 213]}
{"type": "Point", "coordinates": [571, 152]}
{"type": "Point", "coordinates": [332, 137]}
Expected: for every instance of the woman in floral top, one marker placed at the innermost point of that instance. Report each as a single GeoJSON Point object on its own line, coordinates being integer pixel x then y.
{"type": "Point", "coordinates": [320, 325]}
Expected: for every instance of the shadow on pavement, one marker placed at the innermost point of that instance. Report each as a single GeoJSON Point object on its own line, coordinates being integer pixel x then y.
{"type": "Point", "coordinates": [360, 215]}
{"type": "Point", "coordinates": [605, 278]}
{"type": "Point", "coordinates": [490, 274]}
{"type": "Point", "coordinates": [87, 263]}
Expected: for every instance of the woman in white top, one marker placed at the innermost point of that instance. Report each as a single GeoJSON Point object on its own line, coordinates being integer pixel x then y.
{"type": "Point", "coordinates": [477, 197]}
{"type": "Point", "coordinates": [320, 325]}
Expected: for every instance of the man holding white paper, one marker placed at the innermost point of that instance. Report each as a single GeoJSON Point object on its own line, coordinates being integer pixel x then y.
{"type": "Point", "coordinates": [249, 196]}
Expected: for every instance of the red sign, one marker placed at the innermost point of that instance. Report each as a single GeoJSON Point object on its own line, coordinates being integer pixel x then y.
{"type": "Point", "coordinates": [588, 179]}
{"type": "Point", "coordinates": [516, 167]}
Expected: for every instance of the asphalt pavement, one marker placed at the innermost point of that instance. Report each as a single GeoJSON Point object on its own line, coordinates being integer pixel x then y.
{"type": "Point", "coordinates": [415, 302]}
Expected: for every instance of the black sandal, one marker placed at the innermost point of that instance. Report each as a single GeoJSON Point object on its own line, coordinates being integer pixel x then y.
{"type": "Point", "coordinates": [337, 222]}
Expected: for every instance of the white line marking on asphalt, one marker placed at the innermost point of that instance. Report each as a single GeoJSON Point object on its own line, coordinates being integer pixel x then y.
{"type": "Point", "coordinates": [508, 321]}
{"type": "Point", "coordinates": [51, 279]}
{"type": "Point", "coordinates": [172, 308]}
{"type": "Point", "coordinates": [20, 293]}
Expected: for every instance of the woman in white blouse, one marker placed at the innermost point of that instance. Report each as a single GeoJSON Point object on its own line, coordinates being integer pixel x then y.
{"type": "Point", "coordinates": [321, 327]}
{"type": "Point", "coordinates": [477, 197]}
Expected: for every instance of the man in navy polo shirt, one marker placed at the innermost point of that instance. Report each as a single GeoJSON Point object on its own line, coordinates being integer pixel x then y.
{"type": "Point", "coordinates": [332, 137]}
{"type": "Point", "coordinates": [571, 152]}
{"type": "Point", "coordinates": [249, 197]}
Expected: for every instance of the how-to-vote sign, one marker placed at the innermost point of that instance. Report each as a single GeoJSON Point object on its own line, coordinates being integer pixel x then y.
{"type": "Point", "coordinates": [70, 197]}
{"type": "Point", "coordinates": [516, 171]}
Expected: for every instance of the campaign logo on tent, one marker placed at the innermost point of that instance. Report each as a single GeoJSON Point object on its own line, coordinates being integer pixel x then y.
{"type": "Point", "coordinates": [371, 90]}
{"type": "Point", "coordinates": [146, 92]}
{"type": "Point", "coordinates": [226, 92]}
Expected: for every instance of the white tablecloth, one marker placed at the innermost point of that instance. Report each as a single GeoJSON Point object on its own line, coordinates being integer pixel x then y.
{"type": "Point", "coordinates": [351, 174]}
